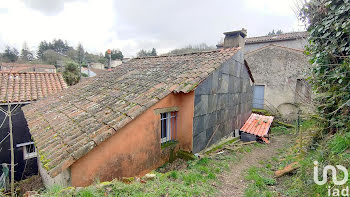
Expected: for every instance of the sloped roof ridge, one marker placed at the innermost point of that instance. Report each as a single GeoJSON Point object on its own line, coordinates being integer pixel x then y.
{"type": "Point", "coordinates": [182, 54]}
{"type": "Point", "coordinates": [277, 35]}
{"type": "Point", "coordinates": [273, 38]}
{"type": "Point", "coordinates": [275, 45]}
{"type": "Point", "coordinates": [30, 72]}
{"type": "Point", "coordinates": [6, 64]}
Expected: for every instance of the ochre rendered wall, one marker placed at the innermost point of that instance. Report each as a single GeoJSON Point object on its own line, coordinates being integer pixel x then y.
{"type": "Point", "coordinates": [135, 149]}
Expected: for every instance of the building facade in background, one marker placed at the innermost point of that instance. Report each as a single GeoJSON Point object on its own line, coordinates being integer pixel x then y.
{"type": "Point", "coordinates": [278, 64]}
{"type": "Point", "coordinates": [25, 68]}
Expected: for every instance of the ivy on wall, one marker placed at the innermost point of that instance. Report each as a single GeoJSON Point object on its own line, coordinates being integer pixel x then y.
{"type": "Point", "coordinates": [328, 24]}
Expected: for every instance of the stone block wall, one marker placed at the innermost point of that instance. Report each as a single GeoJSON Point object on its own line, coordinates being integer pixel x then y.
{"type": "Point", "coordinates": [222, 103]}
{"type": "Point", "coordinates": [278, 69]}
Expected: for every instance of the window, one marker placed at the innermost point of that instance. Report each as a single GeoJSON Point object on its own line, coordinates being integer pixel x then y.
{"type": "Point", "coordinates": [258, 98]}
{"type": "Point", "coordinates": [29, 150]}
{"type": "Point", "coordinates": [302, 91]}
{"type": "Point", "coordinates": [168, 126]}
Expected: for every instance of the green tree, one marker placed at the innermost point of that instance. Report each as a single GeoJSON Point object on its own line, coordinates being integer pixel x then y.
{"type": "Point", "coordinates": [72, 54]}
{"type": "Point", "coordinates": [275, 33]}
{"type": "Point", "coordinates": [115, 54]}
{"type": "Point", "coordinates": [26, 54]}
{"type": "Point", "coordinates": [43, 46]}
{"type": "Point", "coordinates": [59, 46]}
{"type": "Point", "coordinates": [80, 54]}
{"type": "Point", "coordinates": [102, 59]}
{"type": "Point", "coordinates": [192, 48]}
{"type": "Point", "coordinates": [11, 54]}
{"type": "Point", "coordinates": [144, 53]}
{"type": "Point", "coordinates": [71, 73]}
{"type": "Point", "coordinates": [329, 46]}
{"type": "Point", "coordinates": [153, 52]}
{"type": "Point", "coordinates": [51, 57]}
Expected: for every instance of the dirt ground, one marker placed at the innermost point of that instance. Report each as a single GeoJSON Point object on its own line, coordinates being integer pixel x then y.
{"type": "Point", "coordinates": [178, 164]}
{"type": "Point", "coordinates": [233, 183]}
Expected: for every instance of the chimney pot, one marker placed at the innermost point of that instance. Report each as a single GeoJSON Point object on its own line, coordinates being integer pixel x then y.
{"type": "Point", "coordinates": [235, 38]}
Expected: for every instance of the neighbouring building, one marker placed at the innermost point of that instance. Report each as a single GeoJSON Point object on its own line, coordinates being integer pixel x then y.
{"type": "Point", "coordinates": [91, 72]}
{"type": "Point", "coordinates": [115, 63]}
{"type": "Point", "coordinates": [97, 65]}
{"type": "Point", "coordinates": [278, 64]}
{"type": "Point", "coordinates": [25, 68]}
{"type": "Point", "coordinates": [129, 121]}
{"type": "Point", "coordinates": [20, 89]}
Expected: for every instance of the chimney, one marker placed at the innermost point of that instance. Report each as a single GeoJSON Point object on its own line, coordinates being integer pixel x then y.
{"type": "Point", "coordinates": [235, 38]}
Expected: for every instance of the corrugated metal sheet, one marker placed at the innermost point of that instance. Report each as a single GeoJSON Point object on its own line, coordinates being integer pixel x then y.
{"type": "Point", "coordinates": [257, 124]}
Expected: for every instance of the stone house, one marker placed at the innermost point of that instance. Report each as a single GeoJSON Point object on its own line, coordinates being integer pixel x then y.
{"type": "Point", "coordinates": [129, 121]}
{"type": "Point", "coordinates": [277, 63]}
{"type": "Point", "coordinates": [97, 65]}
{"type": "Point", "coordinates": [23, 89]}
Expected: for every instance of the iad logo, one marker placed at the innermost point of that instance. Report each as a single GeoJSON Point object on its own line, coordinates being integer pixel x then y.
{"type": "Point", "coordinates": [335, 192]}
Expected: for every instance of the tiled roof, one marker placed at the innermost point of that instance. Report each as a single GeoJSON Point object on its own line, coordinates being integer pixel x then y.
{"type": "Point", "coordinates": [286, 36]}
{"type": "Point", "coordinates": [280, 37]}
{"type": "Point", "coordinates": [25, 87]}
{"type": "Point", "coordinates": [257, 125]}
{"type": "Point", "coordinates": [67, 126]}
{"type": "Point", "coordinates": [98, 71]}
{"type": "Point", "coordinates": [14, 65]}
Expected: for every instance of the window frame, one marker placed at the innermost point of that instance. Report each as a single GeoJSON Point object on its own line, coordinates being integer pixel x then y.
{"type": "Point", "coordinates": [26, 154]}
{"type": "Point", "coordinates": [171, 126]}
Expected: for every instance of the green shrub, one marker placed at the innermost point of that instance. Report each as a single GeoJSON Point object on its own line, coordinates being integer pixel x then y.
{"type": "Point", "coordinates": [174, 174]}
{"type": "Point", "coordinates": [339, 143]}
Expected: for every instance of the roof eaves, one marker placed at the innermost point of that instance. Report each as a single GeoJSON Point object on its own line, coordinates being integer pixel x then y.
{"type": "Point", "coordinates": [249, 71]}
{"type": "Point", "coordinates": [273, 38]}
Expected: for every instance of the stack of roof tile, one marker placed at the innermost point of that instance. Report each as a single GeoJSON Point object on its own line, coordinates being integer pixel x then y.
{"type": "Point", "coordinates": [257, 125]}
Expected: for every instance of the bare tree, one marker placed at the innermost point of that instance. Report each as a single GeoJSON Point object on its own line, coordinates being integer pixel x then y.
{"type": "Point", "coordinates": [8, 114]}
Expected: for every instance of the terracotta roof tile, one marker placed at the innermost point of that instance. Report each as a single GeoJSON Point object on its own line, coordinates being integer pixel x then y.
{"type": "Point", "coordinates": [96, 108]}
{"type": "Point", "coordinates": [285, 36]}
{"type": "Point", "coordinates": [25, 87]}
{"type": "Point", "coordinates": [272, 38]}
{"type": "Point", "coordinates": [257, 125]}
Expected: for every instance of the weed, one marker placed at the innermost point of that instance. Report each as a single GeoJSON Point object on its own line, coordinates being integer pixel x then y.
{"type": "Point", "coordinates": [279, 130]}
{"type": "Point", "coordinates": [86, 192]}
{"type": "Point", "coordinates": [256, 175]}
{"type": "Point", "coordinates": [340, 143]}
{"type": "Point", "coordinates": [174, 174]}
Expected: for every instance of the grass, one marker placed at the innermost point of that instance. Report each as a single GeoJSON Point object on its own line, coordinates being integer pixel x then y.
{"type": "Point", "coordinates": [220, 146]}
{"type": "Point", "coordinates": [198, 179]}
{"type": "Point", "coordinates": [261, 179]}
{"type": "Point", "coordinates": [262, 112]}
{"type": "Point", "coordinates": [168, 144]}
{"type": "Point", "coordinates": [280, 130]}
{"type": "Point", "coordinates": [327, 150]}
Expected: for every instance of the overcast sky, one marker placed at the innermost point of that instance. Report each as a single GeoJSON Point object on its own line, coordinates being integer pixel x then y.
{"type": "Point", "coordinates": [131, 25]}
